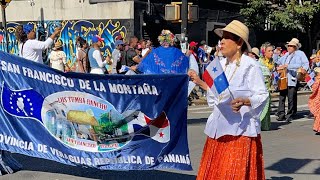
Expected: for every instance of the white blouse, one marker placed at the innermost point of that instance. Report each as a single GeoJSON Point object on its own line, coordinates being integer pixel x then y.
{"type": "Point", "coordinates": [245, 81]}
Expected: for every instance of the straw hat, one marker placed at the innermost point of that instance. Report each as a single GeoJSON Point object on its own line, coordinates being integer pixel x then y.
{"type": "Point", "coordinates": [57, 45]}
{"type": "Point", "coordinates": [317, 69]}
{"type": "Point", "coordinates": [294, 42]}
{"type": "Point", "coordinates": [255, 51]}
{"type": "Point", "coordinates": [238, 28]}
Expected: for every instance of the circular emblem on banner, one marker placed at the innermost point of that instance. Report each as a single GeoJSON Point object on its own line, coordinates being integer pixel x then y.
{"type": "Point", "coordinates": [85, 122]}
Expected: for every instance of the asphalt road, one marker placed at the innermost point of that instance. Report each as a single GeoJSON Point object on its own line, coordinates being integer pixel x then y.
{"type": "Point", "coordinates": [291, 151]}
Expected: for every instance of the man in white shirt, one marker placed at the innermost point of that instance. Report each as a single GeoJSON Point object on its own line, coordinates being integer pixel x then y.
{"type": "Point", "coordinates": [32, 48]}
{"type": "Point", "coordinates": [116, 55]}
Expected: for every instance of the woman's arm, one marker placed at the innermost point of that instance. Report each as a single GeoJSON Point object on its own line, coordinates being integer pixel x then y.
{"type": "Point", "coordinates": [97, 56]}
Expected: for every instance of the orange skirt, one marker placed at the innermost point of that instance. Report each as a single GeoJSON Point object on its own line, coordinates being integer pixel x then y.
{"type": "Point", "coordinates": [232, 157]}
{"type": "Point", "coordinates": [316, 124]}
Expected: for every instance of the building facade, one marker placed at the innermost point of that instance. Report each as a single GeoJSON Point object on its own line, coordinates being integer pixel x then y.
{"type": "Point", "coordinates": [109, 19]}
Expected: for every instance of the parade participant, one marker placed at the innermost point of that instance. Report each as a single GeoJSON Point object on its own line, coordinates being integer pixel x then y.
{"type": "Point", "coordinates": [58, 58]}
{"type": "Point", "coordinates": [165, 59]}
{"type": "Point", "coordinates": [130, 58]}
{"type": "Point", "coordinates": [82, 64]}
{"type": "Point", "coordinates": [233, 149]}
{"type": "Point", "coordinates": [116, 55]}
{"type": "Point", "coordinates": [314, 102]}
{"type": "Point", "coordinates": [30, 48]}
{"type": "Point", "coordinates": [193, 65]}
{"type": "Point", "coordinates": [97, 64]}
{"type": "Point", "coordinates": [193, 57]}
{"type": "Point", "coordinates": [145, 49]}
{"type": "Point", "coordinates": [291, 62]}
{"type": "Point", "coordinates": [254, 53]}
{"type": "Point", "coordinates": [267, 67]}
{"type": "Point", "coordinates": [203, 59]}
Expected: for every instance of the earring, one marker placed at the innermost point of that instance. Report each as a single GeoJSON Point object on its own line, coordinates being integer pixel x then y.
{"type": "Point", "coordinates": [239, 57]}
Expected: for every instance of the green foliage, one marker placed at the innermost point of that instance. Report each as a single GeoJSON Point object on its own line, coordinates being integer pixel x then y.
{"type": "Point", "coordinates": [255, 13]}
{"type": "Point", "coordinates": [290, 16]}
{"type": "Point", "coordinates": [106, 126]}
{"type": "Point", "coordinates": [295, 16]}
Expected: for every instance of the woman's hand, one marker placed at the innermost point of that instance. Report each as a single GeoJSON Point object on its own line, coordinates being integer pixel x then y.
{"type": "Point", "coordinates": [196, 79]}
{"type": "Point", "coordinates": [134, 68]}
{"type": "Point", "coordinates": [237, 103]}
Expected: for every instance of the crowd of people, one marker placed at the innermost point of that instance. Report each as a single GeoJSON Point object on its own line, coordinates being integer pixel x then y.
{"type": "Point", "coordinates": [233, 149]}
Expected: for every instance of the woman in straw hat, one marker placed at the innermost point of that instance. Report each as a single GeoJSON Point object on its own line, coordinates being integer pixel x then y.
{"type": "Point", "coordinates": [58, 58]}
{"type": "Point", "coordinates": [293, 60]}
{"type": "Point", "coordinates": [254, 53]}
{"type": "Point", "coordinates": [314, 102]}
{"type": "Point", "coordinates": [233, 149]}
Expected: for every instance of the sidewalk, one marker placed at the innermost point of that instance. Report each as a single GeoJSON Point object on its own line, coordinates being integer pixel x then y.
{"type": "Point", "coordinates": [203, 100]}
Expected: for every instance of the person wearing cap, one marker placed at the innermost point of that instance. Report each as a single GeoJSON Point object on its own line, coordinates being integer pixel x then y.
{"type": "Point", "coordinates": [58, 58]}
{"type": "Point", "coordinates": [165, 59]}
{"type": "Point", "coordinates": [31, 48]}
{"type": "Point", "coordinates": [116, 55]}
{"type": "Point", "coordinates": [233, 149]}
{"type": "Point", "coordinates": [193, 58]}
{"type": "Point", "coordinates": [193, 64]}
{"type": "Point", "coordinates": [292, 61]}
{"type": "Point", "coordinates": [96, 61]}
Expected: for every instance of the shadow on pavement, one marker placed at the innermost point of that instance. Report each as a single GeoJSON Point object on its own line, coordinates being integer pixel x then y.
{"type": "Point", "coordinates": [42, 165]}
{"type": "Point", "coordinates": [197, 121]}
{"type": "Point", "coordinates": [280, 178]}
{"type": "Point", "coordinates": [276, 125]}
{"type": "Point", "coordinates": [289, 165]}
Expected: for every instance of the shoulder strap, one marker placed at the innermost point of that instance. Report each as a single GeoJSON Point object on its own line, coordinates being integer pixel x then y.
{"type": "Point", "coordinates": [22, 49]}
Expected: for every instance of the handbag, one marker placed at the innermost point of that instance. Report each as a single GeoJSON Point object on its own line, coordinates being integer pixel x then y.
{"type": "Point", "coordinates": [301, 74]}
{"type": "Point", "coordinates": [283, 81]}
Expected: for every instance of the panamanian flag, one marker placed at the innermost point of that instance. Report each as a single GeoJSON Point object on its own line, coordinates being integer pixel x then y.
{"type": "Point", "coordinates": [310, 79]}
{"type": "Point", "coordinates": [215, 77]}
{"type": "Point", "coordinates": [157, 129]}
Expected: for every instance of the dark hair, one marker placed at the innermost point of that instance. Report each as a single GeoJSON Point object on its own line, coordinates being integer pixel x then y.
{"type": "Point", "coordinates": [20, 34]}
{"type": "Point", "coordinates": [81, 41]}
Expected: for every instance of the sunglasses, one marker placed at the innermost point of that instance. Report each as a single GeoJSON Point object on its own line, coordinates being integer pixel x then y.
{"type": "Point", "coordinates": [291, 46]}
{"type": "Point", "coordinates": [230, 36]}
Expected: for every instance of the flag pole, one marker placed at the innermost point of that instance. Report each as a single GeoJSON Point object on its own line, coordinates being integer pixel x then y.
{"type": "Point", "coordinates": [232, 97]}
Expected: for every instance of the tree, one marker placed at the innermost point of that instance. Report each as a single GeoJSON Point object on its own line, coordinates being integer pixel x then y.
{"type": "Point", "coordinates": [255, 13]}
{"type": "Point", "coordinates": [288, 15]}
{"type": "Point", "coordinates": [297, 15]}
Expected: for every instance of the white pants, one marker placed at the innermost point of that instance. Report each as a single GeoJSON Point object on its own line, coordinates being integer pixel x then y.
{"type": "Point", "coordinates": [96, 71]}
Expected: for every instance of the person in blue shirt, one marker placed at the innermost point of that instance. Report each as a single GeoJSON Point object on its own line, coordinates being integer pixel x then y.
{"type": "Point", "coordinates": [292, 61]}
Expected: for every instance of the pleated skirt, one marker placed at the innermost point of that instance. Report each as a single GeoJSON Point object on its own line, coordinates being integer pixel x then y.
{"type": "Point", "coordinates": [232, 158]}
{"type": "Point", "coordinates": [316, 124]}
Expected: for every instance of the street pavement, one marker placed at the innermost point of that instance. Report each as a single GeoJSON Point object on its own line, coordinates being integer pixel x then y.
{"type": "Point", "coordinates": [291, 151]}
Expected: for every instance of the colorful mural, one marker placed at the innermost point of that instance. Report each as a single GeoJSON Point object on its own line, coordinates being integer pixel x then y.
{"type": "Point", "coordinates": [70, 30]}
